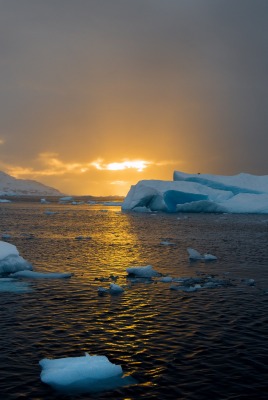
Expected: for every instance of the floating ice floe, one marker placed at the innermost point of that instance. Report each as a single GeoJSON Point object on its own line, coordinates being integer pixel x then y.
{"type": "Point", "coordinates": [194, 284]}
{"type": "Point", "coordinates": [166, 279]}
{"type": "Point", "coordinates": [65, 199]}
{"type": "Point", "coordinates": [44, 201]}
{"type": "Point", "coordinates": [194, 255]}
{"type": "Point", "coordinates": [83, 374]}
{"type": "Point", "coordinates": [242, 193]}
{"type": "Point", "coordinates": [48, 212]}
{"type": "Point", "coordinates": [41, 275]}
{"type": "Point", "coordinates": [10, 260]}
{"type": "Point", "coordinates": [142, 272]}
{"type": "Point", "coordinates": [167, 243]}
{"type": "Point", "coordinates": [14, 286]}
{"type": "Point", "coordinates": [185, 288]}
{"type": "Point", "coordinates": [5, 201]}
{"type": "Point", "coordinates": [113, 290]}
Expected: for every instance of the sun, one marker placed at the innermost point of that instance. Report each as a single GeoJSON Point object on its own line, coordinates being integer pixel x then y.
{"type": "Point", "coordinates": [139, 165]}
{"type": "Point", "coordinates": [119, 166]}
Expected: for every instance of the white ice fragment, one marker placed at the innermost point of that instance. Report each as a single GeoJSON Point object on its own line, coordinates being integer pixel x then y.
{"type": "Point", "coordinates": [142, 272]}
{"type": "Point", "coordinates": [115, 289]}
{"type": "Point", "coordinates": [44, 201]}
{"type": "Point", "coordinates": [194, 254]}
{"type": "Point", "coordinates": [209, 257]}
{"type": "Point", "coordinates": [65, 198]}
{"type": "Point", "coordinates": [166, 279]}
{"type": "Point", "coordinates": [41, 275]}
{"type": "Point", "coordinates": [48, 212]}
{"type": "Point", "coordinates": [71, 370]}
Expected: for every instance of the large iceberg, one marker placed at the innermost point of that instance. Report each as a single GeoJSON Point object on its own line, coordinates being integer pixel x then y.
{"type": "Point", "coordinates": [10, 260]}
{"type": "Point", "coordinates": [242, 193]}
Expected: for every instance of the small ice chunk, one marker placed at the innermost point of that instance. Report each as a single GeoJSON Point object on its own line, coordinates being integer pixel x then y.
{"type": "Point", "coordinates": [194, 254]}
{"type": "Point", "coordinates": [142, 272]}
{"type": "Point", "coordinates": [48, 212]}
{"type": "Point", "coordinates": [41, 275]}
{"type": "Point", "coordinates": [166, 279]}
{"type": "Point", "coordinates": [115, 289]}
{"type": "Point", "coordinates": [64, 371]}
{"type": "Point", "coordinates": [44, 201]}
{"type": "Point", "coordinates": [209, 257]}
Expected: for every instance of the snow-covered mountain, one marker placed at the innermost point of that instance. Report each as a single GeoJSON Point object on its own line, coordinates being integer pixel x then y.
{"type": "Point", "coordinates": [10, 186]}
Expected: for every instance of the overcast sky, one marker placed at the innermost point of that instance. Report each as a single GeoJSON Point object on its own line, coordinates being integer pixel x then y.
{"type": "Point", "coordinates": [177, 84]}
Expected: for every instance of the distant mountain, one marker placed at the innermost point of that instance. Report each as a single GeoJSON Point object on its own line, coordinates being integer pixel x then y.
{"type": "Point", "coordinates": [10, 186]}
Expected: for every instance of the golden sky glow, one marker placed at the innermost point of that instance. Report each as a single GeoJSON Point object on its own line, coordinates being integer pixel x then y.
{"type": "Point", "coordinates": [97, 95]}
{"type": "Point", "coordinates": [117, 177]}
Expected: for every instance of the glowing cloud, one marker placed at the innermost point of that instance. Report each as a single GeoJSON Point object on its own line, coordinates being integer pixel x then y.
{"type": "Point", "coordinates": [2, 141]}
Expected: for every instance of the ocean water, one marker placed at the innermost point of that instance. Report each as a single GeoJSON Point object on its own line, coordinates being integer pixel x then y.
{"type": "Point", "coordinates": [211, 343]}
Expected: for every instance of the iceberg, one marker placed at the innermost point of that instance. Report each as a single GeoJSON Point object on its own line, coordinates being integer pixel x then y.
{"type": "Point", "coordinates": [10, 260]}
{"type": "Point", "coordinates": [83, 374]}
{"type": "Point", "coordinates": [241, 193]}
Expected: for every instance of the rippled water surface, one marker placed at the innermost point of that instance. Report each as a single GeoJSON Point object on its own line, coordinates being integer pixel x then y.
{"type": "Point", "coordinates": [211, 343]}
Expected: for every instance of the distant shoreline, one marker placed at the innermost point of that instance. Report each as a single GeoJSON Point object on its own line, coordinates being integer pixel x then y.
{"type": "Point", "coordinates": [53, 199]}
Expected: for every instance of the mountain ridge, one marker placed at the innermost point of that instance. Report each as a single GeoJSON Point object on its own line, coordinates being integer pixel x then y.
{"type": "Point", "coordinates": [10, 186]}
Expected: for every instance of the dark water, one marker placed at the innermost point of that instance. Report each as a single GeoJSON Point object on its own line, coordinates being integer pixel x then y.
{"type": "Point", "coordinates": [208, 344]}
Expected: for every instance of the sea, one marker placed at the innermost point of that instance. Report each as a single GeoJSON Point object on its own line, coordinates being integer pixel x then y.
{"type": "Point", "coordinates": [173, 342]}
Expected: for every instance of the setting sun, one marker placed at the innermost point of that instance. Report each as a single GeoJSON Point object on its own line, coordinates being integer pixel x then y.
{"type": "Point", "coordinates": [138, 165]}
{"type": "Point", "coordinates": [119, 166]}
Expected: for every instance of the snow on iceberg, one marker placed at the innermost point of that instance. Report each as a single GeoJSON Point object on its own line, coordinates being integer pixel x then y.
{"type": "Point", "coordinates": [10, 260]}
{"type": "Point", "coordinates": [83, 374]}
{"type": "Point", "coordinates": [242, 193]}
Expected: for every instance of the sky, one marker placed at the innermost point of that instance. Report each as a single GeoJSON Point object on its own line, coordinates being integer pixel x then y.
{"type": "Point", "coordinates": [96, 95]}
